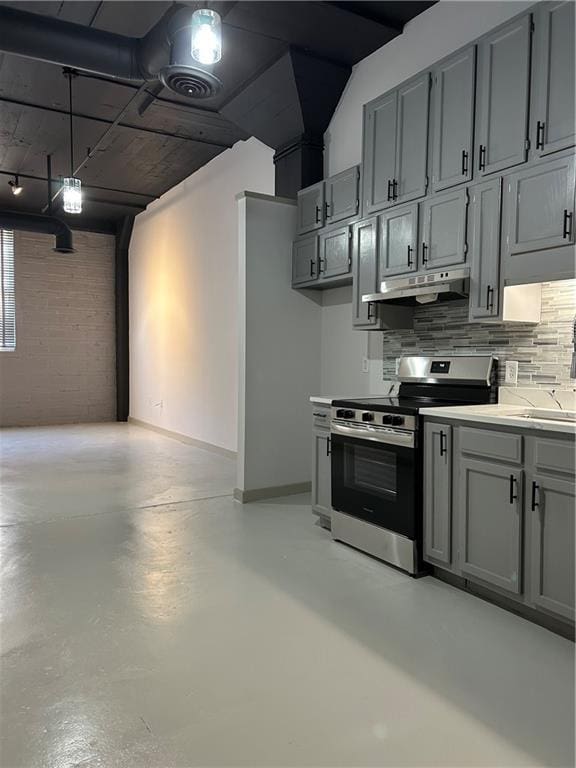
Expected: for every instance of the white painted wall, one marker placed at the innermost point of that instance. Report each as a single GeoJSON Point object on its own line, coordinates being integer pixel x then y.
{"type": "Point", "coordinates": [184, 299]}
{"type": "Point", "coordinates": [279, 365]}
{"type": "Point", "coordinates": [426, 39]}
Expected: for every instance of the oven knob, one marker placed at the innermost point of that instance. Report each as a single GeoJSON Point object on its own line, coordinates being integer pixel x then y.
{"type": "Point", "coordinates": [340, 413]}
{"type": "Point", "coordinates": [386, 419]}
{"type": "Point", "coordinates": [368, 416]}
{"type": "Point", "coordinates": [349, 414]}
{"type": "Point", "coordinates": [397, 421]}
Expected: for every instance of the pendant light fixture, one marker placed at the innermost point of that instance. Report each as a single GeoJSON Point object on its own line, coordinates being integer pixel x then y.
{"type": "Point", "coordinates": [71, 186]}
{"type": "Point", "coordinates": [15, 186]}
{"type": "Point", "coordinates": [206, 36]}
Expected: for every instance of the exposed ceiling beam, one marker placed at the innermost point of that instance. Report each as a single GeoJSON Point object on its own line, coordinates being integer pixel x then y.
{"type": "Point", "coordinates": [105, 121]}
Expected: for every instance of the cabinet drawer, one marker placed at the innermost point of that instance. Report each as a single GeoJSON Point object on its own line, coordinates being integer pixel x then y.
{"type": "Point", "coordinates": [492, 445]}
{"type": "Point", "coordinates": [553, 455]}
{"type": "Point", "coordinates": [320, 416]}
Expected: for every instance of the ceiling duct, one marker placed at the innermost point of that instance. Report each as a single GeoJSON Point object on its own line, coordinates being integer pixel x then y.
{"type": "Point", "coordinates": [36, 222]}
{"type": "Point", "coordinates": [164, 54]}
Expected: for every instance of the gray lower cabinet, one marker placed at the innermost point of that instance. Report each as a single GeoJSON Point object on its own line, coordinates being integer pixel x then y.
{"type": "Point", "coordinates": [490, 523]}
{"type": "Point", "coordinates": [553, 125]}
{"type": "Point", "coordinates": [398, 241]}
{"type": "Point", "coordinates": [437, 492]}
{"type": "Point", "coordinates": [444, 229]}
{"type": "Point", "coordinates": [503, 96]}
{"type": "Point", "coordinates": [342, 195]}
{"type": "Point", "coordinates": [539, 236]}
{"type": "Point", "coordinates": [551, 517]}
{"type": "Point", "coordinates": [321, 479]}
{"type": "Point", "coordinates": [305, 261]}
{"type": "Point", "coordinates": [335, 253]}
{"type": "Point", "coordinates": [484, 218]}
{"type": "Point", "coordinates": [310, 208]}
{"type": "Point", "coordinates": [453, 91]}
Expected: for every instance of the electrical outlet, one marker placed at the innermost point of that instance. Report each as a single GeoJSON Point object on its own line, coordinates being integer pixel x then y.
{"type": "Point", "coordinates": [511, 372]}
{"type": "Point", "coordinates": [365, 365]}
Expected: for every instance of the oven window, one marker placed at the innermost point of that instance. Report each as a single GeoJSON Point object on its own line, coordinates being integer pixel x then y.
{"type": "Point", "coordinates": [372, 470]}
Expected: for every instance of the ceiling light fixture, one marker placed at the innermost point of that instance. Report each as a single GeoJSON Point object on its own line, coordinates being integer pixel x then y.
{"type": "Point", "coordinates": [71, 186]}
{"type": "Point", "coordinates": [15, 186]}
{"type": "Point", "coordinates": [206, 36]}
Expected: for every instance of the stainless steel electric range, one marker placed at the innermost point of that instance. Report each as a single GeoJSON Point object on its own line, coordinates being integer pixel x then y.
{"type": "Point", "coordinates": [376, 446]}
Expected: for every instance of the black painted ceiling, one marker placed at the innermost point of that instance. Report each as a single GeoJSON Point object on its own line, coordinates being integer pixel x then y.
{"type": "Point", "coordinates": [161, 138]}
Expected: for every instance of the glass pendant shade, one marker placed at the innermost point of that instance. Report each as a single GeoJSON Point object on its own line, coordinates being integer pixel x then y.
{"type": "Point", "coordinates": [206, 36]}
{"type": "Point", "coordinates": [72, 195]}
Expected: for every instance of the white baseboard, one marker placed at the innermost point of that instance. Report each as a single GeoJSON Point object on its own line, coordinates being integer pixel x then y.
{"type": "Point", "coordinates": [183, 438]}
{"type": "Point", "coordinates": [271, 492]}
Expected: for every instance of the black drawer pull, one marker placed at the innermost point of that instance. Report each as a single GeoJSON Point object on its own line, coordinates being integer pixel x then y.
{"type": "Point", "coordinates": [320, 261]}
{"type": "Point", "coordinates": [370, 315]}
{"type": "Point", "coordinates": [328, 446]}
{"type": "Point", "coordinates": [489, 298]}
{"type": "Point", "coordinates": [540, 135]}
{"type": "Point", "coordinates": [464, 163]}
{"type": "Point", "coordinates": [482, 158]}
{"type": "Point", "coordinates": [424, 257]}
{"type": "Point", "coordinates": [443, 444]}
{"type": "Point", "coordinates": [535, 488]}
{"type": "Point", "coordinates": [567, 224]}
{"type": "Point", "coordinates": [410, 252]}
{"type": "Point", "coordinates": [513, 494]}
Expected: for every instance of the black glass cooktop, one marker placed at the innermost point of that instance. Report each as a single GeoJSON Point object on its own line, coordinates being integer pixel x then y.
{"type": "Point", "coordinates": [397, 404]}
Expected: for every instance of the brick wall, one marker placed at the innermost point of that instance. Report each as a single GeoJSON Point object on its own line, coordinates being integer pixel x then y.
{"type": "Point", "coordinates": [543, 351]}
{"type": "Point", "coordinates": [63, 369]}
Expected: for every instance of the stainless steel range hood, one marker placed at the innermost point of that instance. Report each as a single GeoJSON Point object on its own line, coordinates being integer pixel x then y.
{"type": "Point", "coordinates": [414, 290]}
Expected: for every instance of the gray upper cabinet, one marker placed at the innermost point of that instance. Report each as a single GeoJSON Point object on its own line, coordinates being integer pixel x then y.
{"type": "Point", "coordinates": [490, 509]}
{"type": "Point", "coordinates": [305, 261]}
{"type": "Point", "coordinates": [503, 95]}
{"type": "Point", "coordinates": [335, 257]}
{"type": "Point", "coordinates": [453, 108]}
{"type": "Point", "coordinates": [437, 492]}
{"type": "Point", "coordinates": [311, 208]}
{"type": "Point", "coordinates": [342, 193]}
{"type": "Point", "coordinates": [539, 204]}
{"type": "Point", "coordinates": [410, 178]}
{"type": "Point", "coordinates": [398, 236]}
{"type": "Point", "coordinates": [552, 531]}
{"type": "Point", "coordinates": [444, 229]}
{"type": "Point", "coordinates": [484, 219]}
{"type": "Point", "coordinates": [379, 152]}
{"type": "Point", "coordinates": [365, 261]}
{"type": "Point", "coordinates": [553, 77]}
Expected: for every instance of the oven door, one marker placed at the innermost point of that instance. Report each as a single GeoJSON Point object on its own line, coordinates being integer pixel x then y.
{"type": "Point", "coordinates": [376, 479]}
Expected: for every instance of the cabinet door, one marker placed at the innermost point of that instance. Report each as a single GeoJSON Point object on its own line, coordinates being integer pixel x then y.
{"type": "Point", "coordinates": [379, 152]}
{"type": "Point", "coordinates": [398, 241]}
{"type": "Point", "coordinates": [540, 205]}
{"type": "Point", "coordinates": [364, 259]}
{"type": "Point", "coordinates": [335, 256]}
{"type": "Point", "coordinates": [554, 66]}
{"type": "Point", "coordinates": [411, 179]}
{"type": "Point", "coordinates": [552, 531]}
{"type": "Point", "coordinates": [444, 229]}
{"type": "Point", "coordinates": [305, 260]}
{"type": "Point", "coordinates": [438, 492]}
{"type": "Point", "coordinates": [342, 195]}
{"type": "Point", "coordinates": [453, 95]}
{"type": "Point", "coordinates": [321, 482]}
{"type": "Point", "coordinates": [310, 208]}
{"type": "Point", "coordinates": [484, 241]}
{"type": "Point", "coordinates": [490, 525]}
{"type": "Point", "coordinates": [504, 76]}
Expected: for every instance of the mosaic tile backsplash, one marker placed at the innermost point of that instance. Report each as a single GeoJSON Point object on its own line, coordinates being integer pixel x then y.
{"type": "Point", "coordinates": [543, 351]}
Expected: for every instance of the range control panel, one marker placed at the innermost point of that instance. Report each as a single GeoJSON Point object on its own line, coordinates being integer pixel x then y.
{"type": "Point", "coordinates": [374, 418]}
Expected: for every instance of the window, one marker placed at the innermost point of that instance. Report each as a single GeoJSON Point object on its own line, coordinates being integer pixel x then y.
{"type": "Point", "coordinates": [7, 303]}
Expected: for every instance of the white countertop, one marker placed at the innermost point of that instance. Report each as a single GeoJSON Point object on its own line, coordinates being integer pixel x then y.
{"type": "Point", "coordinates": [506, 415]}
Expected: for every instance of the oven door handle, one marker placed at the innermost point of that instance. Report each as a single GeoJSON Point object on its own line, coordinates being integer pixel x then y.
{"type": "Point", "coordinates": [376, 435]}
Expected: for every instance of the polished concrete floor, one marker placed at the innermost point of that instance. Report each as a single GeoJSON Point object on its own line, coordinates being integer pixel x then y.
{"type": "Point", "coordinates": [148, 621]}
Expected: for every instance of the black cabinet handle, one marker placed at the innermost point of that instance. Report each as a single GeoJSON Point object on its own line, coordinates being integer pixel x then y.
{"type": "Point", "coordinates": [567, 224]}
{"type": "Point", "coordinates": [394, 189]}
{"type": "Point", "coordinates": [370, 315]}
{"type": "Point", "coordinates": [464, 163]}
{"type": "Point", "coordinates": [318, 212]}
{"type": "Point", "coordinates": [328, 446]}
{"type": "Point", "coordinates": [443, 444]}
{"type": "Point", "coordinates": [482, 158]}
{"type": "Point", "coordinates": [513, 494]}
{"type": "Point", "coordinates": [312, 273]}
{"type": "Point", "coordinates": [535, 488]}
{"type": "Point", "coordinates": [320, 270]}
{"type": "Point", "coordinates": [390, 190]}
{"type": "Point", "coordinates": [410, 252]}
{"type": "Point", "coordinates": [326, 208]}
{"type": "Point", "coordinates": [424, 257]}
{"type": "Point", "coordinates": [489, 297]}
{"type": "Point", "coordinates": [540, 134]}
